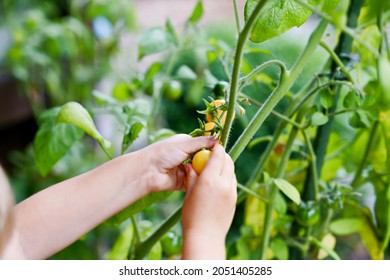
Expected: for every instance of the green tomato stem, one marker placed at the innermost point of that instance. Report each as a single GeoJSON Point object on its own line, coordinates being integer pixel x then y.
{"type": "Point", "coordinates": [242, 38]}
{"type": "Point", "coordinates": [274, 192]}
{"type": "Point", "coordinates": [322, 246]}
{"type": "Point", "coordinates": [286, 81]}
{"type": "Point", "coordinates": [237, 16]}
{"type": "Point", "coordinates": [145, 246]}
{"type": "Point", "coordinates": [367, 151]}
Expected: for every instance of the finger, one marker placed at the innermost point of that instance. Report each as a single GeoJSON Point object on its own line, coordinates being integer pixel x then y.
{"type": "Point", "coordinates": [191, 145]}
{"type": "Point", "coordinates": [228, 168]}
{"type": "Point", "coordinates": [191, 178]}
{"type": "Point", "coordinates": [216, 162]}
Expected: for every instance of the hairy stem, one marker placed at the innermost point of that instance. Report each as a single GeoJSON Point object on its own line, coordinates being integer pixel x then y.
{"type": "Point", "coordinates": [242, 38]}
{"type": "Point", "coordinates": [286, 81]}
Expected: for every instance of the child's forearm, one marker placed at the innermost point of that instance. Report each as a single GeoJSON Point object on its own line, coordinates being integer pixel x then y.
{"type": "Point", "coordinates": [203, 246]}
{"type": "Point", "coordinates": [56, 217]}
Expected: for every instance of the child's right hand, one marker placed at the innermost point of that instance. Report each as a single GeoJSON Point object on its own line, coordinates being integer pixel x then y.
{"type": "Point", "coordinates": [209, 207]}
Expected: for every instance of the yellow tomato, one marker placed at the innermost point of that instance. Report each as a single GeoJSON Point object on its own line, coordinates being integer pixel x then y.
{"type": "Point", "coordinates": [200, 159]}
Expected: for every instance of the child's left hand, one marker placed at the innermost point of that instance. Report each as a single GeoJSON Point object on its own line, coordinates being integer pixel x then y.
{"type": "Point", "coordinates": [165, 161]}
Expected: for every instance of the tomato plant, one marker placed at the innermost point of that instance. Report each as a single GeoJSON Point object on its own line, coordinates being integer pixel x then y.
{"type": "Point", "coordinates": [312, 149]}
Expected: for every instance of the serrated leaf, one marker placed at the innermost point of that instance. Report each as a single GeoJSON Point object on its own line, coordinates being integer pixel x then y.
{"type": "Point", "coordinates": [289, 190]}
{"type": "Point", "coordinates": [141, 205]}
{"type": "Point", "coordinates": [318, 119]}
{"type": "Point", "coordinates": [153, 41]}
{"type": "Point", "coordinates": [347, 226]}
{"type": "Point", "coordinates": [276, 17]}
{"type": "Point", "coordinates": [197, 13]}
{"type": "Point", "coordinates": [131, 135]}
{"type": "Point", "coordinates": [53, 141]}
{"type": "Point", "coordinates": [74, 113]}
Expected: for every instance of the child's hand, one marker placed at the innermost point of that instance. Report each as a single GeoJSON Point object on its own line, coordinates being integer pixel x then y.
{"type": "Point", "coordinates": [164, 159]}
{"type": "Point", "coordinates": [209, 207]}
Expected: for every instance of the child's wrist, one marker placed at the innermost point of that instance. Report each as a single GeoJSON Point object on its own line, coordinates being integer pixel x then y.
{"type": "Point", "coordinates": [203, 245]}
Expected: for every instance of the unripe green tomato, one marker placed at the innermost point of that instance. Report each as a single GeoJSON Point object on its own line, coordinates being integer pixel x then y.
{"type": "Point", "coordinates": [172, 90]}
{"type": "Point", "coordinates": [171, 243]}
{"type": "Point", "coordinates": [220, 88]}
{"type": "Point", "coordinates": [308, 214]}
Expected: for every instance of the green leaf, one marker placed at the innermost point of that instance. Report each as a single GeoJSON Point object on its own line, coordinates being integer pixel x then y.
{"type": "Point", "coordinates": [185, 72]}
{"type": "Point", "coordinates": [121, 247]}
{"type": "Point", "coordinates": [152, 71]}
{"type": "Point", "coordinates": [141, 205]}
{"type": "Point", "coordinates": [74, 113]}
{"type": "Point", "coordinates": [350, 100]}
{"type": "Point", "coordinates": [276, 17]}
{"type": "Point", "coordinates": [319, 118]}
{"type": "Point", "coordinates": [359, 119]}
{"type": "Point", "coordinates": [289, 190]}
{"type": "Point", "coordinates": [103, 99]}
{"type": "Point", "coordinates": [197, 13]}
{"type": "Point", "coordinates": [280, 204]}
{"type": "Point", "coordinates": [279, 249]}
{"type": "Point", "coordinates": [171, 32]}
{"type": "Point", "coordinates": [161, 135]}
{"type": "Point", "coordinates": [347, 226]}
{"type": "Point", "coordinates": [153, 41]}
{"type": "Point", "coordinates": [326, 99]}
{"type": "Point", "coordinates": [53, 141]}
{"type": "Point", "coordinates": [131, 135]}
{"type": "Point", "coordinates": [328, 6]}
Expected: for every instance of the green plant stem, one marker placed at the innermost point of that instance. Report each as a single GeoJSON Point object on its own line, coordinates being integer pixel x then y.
{"type": "Point", "coordinates": [320, 245]}
{"type": "Point", "coordinates": [367, 151]}
{"type": "Point", "coordinates": [250, 192]}
{"type": "Point", "coordinates": [145, 246]}
{"type": "Point", "coordinates": [312, 164]}
{"type": "Point", "coordinates": [242, 38]}
{"type": "Point", "coordinates": [237, 16]}
{"type": "Point", "coordinates": [275, 113]}
{"type": "Point", "coordinates": [321, 140]}
{"type": "Point", "coordinates": [286, 81]}
{"type": "Point", "coordinates": [274, 192]}
{"type": "Point", "coordinates": [337, 60]}
{"type": "Point", "coordinates": [295, 106]}
{"type": "Point", "coordinates": [386, 238]}
{"type": "Point", "coordinates": [244, 80]}
{"type": "Point", "coordinates": [137, 235]}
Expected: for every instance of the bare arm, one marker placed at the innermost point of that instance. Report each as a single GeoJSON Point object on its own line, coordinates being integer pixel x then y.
{"type": "Point", "coordinates": [57, 216]}
{"type": "Point", "coordinates": [209, 208]}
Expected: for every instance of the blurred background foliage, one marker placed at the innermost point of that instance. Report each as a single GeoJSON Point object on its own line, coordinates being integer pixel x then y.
{"type": "Point", "coordinates": [64, 50]}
